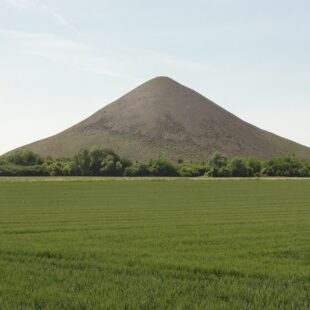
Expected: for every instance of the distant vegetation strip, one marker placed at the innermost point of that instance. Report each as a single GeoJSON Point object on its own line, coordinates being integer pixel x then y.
{"type": "Point", "coordinates": [104, 162]}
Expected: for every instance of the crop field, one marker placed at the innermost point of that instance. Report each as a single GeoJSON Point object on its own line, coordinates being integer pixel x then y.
{"type": "Point", "coordinates": [154, 244]}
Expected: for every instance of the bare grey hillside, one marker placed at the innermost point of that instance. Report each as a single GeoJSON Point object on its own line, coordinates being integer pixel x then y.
{"type": "Point", "coordinates": [163, 118]}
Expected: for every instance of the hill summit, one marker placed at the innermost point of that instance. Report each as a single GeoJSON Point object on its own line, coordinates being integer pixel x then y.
{"type": "Point", "coordinates": [164, 118]}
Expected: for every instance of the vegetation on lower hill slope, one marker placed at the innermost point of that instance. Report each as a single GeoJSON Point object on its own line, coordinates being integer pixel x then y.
{"type": "Point", "coordinates": [180, 244]}
{"type": "Point", "coordinates": [103, 162]}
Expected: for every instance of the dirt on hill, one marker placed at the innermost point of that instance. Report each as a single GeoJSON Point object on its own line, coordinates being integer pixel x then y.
{"type": "Point", "coordinates": [164, 118]}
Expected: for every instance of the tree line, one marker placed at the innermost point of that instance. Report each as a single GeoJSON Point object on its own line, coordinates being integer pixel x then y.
{"type": "Point", "coordinates": [97, 161]}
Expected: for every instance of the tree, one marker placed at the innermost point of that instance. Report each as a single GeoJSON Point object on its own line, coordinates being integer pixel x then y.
{"type": "Point", "coordinates": [111, 166]}
{"type": "Point", "coordinates": [15, 170]}
{"type": "Point", "coordinates": [218, 161]}
{"type": "Point", "coordinates": [304, 171]}
{"type": "Point", "coordinates": [162, 167]}
{"type": "Point", "coordinates": [99, 161]}
{"type": "Point", "coordinates": [137, 170]}
{"type": "Point", "coordinates": [238, 168]}
{"type": "Point", "coordinates": [188, 171]}
{"type": "Point", "coordinates": [217, 166]}
{"type": "Point", "coordinates": [82, 161]}
{"type": "Point", "coordinates": [97, 155]}
{"type": "Point", "coordinates": [254, 165]}
{"type": "Point", "coordinates": [55, 168]}
{"type": "Point", "coordinates": [288, 166]}
{"type": "Point", "coordinates": [25, 158]}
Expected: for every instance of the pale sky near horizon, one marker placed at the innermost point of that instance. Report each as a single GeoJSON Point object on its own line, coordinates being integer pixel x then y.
{"type": "Point", "coordinates": [61, 61]}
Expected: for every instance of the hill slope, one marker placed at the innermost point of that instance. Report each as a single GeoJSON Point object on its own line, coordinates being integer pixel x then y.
{"type": "Point", "coordinates": [163, 117]}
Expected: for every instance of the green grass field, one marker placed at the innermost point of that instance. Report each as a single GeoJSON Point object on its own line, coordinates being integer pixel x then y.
{"type": "Point", "coordinates": [180, 244]}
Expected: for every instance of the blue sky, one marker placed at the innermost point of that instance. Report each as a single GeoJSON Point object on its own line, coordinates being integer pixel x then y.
{"type": "Point", "coordinates": [60, 61]}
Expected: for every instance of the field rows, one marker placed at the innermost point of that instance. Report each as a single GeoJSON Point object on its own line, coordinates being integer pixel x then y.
{"type": "Point", "coordinates": [181, 244]}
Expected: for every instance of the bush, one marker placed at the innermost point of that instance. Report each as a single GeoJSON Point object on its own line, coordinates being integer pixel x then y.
{"type": "Point", "coordinates": [218, 161]}
{"type": "Point", "coordinates": [304, 172]}
{"type": "Point", "coordinates": [98, 161]}
{"type": "Point", "coordinates": [82, 162]}
{"type": "Point", "coordinates": [218, 172]}
{"type": "Point", "coordinates": [25, 158]}
{"type": "Point", "coordinates": [255, 166]}
{"type": "Point", "coordinates": [188, 171]}
{"type": "Point", "coordinates": [55, 169]}
{"type": "Point", "coordinates": [110, 166]}
{"type": "Point", "coordinates": [162, 167]}
{"type": "Point", "coordinates": [217, 166]}
{"type": "Point", "coordinates": [137, 170]}
{"type": "Point", "coordinates": [63, 167]}
{"type": "Point", "coordinates": [283, 166]}
{"type": "Point", "coordinates": [14, 170]}
{"type": "Point", "coordinates": [238, 167]}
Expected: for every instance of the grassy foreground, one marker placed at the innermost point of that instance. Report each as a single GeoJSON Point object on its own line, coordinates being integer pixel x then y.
{"type": "Point", "coordinates": [183, 244]}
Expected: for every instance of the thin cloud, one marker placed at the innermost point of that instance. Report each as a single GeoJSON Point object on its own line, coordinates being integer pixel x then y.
{"type": "Point", "coordinates": [124, 64]}
{"type": "Point", "coordinates": [68, 53]}
{"type": "Point", "coordinates": [39, 6]}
